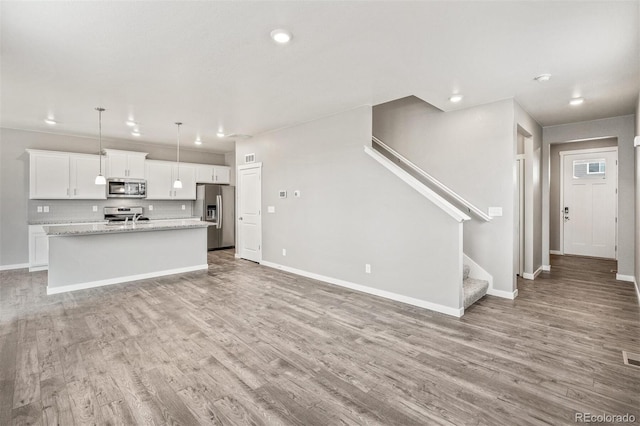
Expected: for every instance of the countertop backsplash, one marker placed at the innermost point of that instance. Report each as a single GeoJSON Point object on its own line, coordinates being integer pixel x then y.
{"type": "Point", "coordinates": [65, 211]}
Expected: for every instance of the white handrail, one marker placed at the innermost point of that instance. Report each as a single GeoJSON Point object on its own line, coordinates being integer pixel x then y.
{"type": "Point", "coordinates": [434, 181]}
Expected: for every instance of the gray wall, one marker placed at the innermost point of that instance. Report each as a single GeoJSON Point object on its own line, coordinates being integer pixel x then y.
{"type": "Point", "coordinates": [554, 181]}
{"type": "Point", "coordinates": [352, 211]}
{"type": "Point", "coordinates": [530, 132]}
{"type": "Point", "coordinates": [621, 128]}
{"type": "Point", "coordinates": [14, 178]}
{"type": "Point", "coordinates": [472, 151]}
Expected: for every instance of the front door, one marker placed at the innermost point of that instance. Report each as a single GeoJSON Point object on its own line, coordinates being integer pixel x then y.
{"type": "Point", "coordinates": [249, 214]}
{"type": "Point", "coordinates": [590, 203]}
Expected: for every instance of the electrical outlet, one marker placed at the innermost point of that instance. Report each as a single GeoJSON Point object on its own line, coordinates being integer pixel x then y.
{"type": "Point", "coordinates": [367, 268]}
{"type": "Point", "coordinates": [95, 208]}
{"type": "Point", "coordinates": [39, 209]}
{"type": "Point", "coordinates": [184, 207]}
{"type": "Point", "coordinates": [284, 252]}
{"type": "Point", "coordinates": [150, 207]}
{"type": "Point", "coordinates": [46, 209]}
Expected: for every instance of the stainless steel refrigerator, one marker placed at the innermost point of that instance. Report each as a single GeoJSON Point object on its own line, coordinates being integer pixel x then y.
{"type": "Point", "coordinates": [217, 204]}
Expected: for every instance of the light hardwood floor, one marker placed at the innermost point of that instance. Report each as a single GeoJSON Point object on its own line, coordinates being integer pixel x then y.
{"type": "Point", "coordinates": [245, 344]}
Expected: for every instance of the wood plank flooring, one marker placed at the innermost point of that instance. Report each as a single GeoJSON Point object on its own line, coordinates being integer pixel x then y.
{"type": "Point", "coordinates": [246, 344]}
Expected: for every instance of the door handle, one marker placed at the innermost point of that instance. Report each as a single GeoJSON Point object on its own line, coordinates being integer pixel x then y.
{"type": "Point", "coordinates": [219, 200]}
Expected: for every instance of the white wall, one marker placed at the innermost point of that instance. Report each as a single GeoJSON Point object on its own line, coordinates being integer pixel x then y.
{"type": "Point", "coordinates": [14, 177]}
{"type": "Point", "coordinates": [621, 128]}
{"type": "Point", "coordinates": [472, 151]}
{"type": "Point", "coordinates": [352, 211]}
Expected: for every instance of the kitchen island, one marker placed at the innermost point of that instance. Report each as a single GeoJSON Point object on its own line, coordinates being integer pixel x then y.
{"type": "Point", "coordinates": [94, 255]}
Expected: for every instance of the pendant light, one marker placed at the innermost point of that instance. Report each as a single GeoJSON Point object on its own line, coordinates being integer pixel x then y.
{"type": "Point", "coordinates": [177, 184]}
{"type": "Point", "coordinates": [100, 180]}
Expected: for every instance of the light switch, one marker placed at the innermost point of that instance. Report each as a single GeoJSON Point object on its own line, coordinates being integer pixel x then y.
{"type": "Point", "coordinates": [296, 193]}
{"type": "Point", "coordinates": [184, 207]}
{"type": "Point", "coordinates": [495, 211]}
{"type": "Point", "coordinates": [271, 209]}
{"type": "Point", "coordinates": [150, 207]}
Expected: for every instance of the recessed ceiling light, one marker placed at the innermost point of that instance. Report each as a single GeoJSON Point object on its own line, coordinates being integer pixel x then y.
{"type": "Point", "coordinates": [198, 141]}
{"type": "Point", "coordinates": [455, 98]}
{"type": "Point", "coordinates": [576, 101]}
{"type": "Point", "coordinates": [220, 134]}
{"type": "Point", "coordinates": [50, 121]}
{"type": "Point", "coordinates": [281, 36]}
{"type": "Point", "coordinates": [131, 123]}
{"type": "Point", "coordinates": [135, 133]}
{"type": "Point", "coordinates": [543, 77]}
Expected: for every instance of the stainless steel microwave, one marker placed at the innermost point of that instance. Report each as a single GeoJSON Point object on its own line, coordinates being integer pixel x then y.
{"type": "Point", "coordinates": [126, 188]}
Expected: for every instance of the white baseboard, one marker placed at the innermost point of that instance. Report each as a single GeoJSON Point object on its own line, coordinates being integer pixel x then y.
{"type": "Point", "coordinates": [370, 290]}
{"type": "Point", "coordinates": [504, 294]}
{"type": "Point", "coordinates": [635, 283]}
{"type": "Point", "coordinates": [546, 268]}
{"type": "Point", "coordinates": [38, 268]}
{"type": "Point", "coordinates": [237, 256]}
{"type": "Point", "coordinates": [528, 276]}
{"type": "Point", "coordinates": [558, 252]}
{"type": "Point", "coordinates": [14, 266]}
{"type": "Point", "coordinates": [629, 278]}
{"type": "Point", "coordinates": [110, 281]}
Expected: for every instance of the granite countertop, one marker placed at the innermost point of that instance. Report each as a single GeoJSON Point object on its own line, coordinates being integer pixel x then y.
{"type": "Point", "coordinates": [64, 222]}
{"type": "Point", "coordinates": [104, 228]}
{"type": "Point", "coordinates": [93, 221]}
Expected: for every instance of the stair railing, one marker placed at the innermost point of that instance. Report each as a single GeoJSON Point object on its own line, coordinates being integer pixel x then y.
{"type": "Point", "coordinates": [433, 181]}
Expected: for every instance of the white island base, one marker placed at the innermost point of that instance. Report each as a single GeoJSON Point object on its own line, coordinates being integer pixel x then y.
{"type": "Point", "coordinates": [85, 260]}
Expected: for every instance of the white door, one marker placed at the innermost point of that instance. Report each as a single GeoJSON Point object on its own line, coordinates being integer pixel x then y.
{"type": "Point", "coordinates": [249, 218]}
{"type": "Point", "coordinates": [519, 261]}
{"type": "Point", "coordinates": [589, 208]}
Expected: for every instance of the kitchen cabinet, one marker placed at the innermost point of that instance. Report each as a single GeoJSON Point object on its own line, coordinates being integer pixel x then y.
{"type": "Point", "coordinates": [206, 173]}
{"type": "Point", "coordinates": [125, 164]}
{"type": "Point", "coordinates": [62, 175]}
{"type": "Point", "coordinates": [160, 176]}
{"type": "Point", "coordinates": [38, 248]}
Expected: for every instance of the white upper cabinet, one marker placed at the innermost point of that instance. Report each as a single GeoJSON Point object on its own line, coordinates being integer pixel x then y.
{"type": "Point", "coordinates": [61, 175]}
{"type": "Point", "coordinates": [125, 164]}
{"type": "Point", "coordinates": [48, 175]}
{"type": "Point", "coordinates": [221, 174]}
{"type": "Point", "coordinates": [83, 172]}
{"type": "Point", "coordinates": [206, 173]}
{"type": "Point", "coordinates": [160, 176]}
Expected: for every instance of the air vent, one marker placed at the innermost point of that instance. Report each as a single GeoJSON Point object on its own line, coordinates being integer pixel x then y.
{"type": "Point", "coordinates": [238, 136]}
{"type": "Point", "coordinates": [250, 158]}
{"type": "Point", "coordinates": [631, 358]}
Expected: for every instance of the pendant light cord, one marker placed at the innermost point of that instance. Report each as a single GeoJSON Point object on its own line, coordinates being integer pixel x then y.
{"type": "Point", "coordinates": [99, 109]}
{"type": "Point", "coordinates": [178, 149]}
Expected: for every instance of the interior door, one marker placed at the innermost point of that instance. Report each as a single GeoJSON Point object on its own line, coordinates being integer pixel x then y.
{"type": "Point", "coordinates": [249, 218]}
{"type": "Point", "coordinates": [589, 211]}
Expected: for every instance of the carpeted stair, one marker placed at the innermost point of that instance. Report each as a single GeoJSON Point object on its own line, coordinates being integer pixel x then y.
{"type": "Point", "coordinates": [472, 288]}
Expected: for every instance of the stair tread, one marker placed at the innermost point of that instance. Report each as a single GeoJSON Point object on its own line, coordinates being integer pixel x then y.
{"type": "Point", "coordinates": [473, 290]}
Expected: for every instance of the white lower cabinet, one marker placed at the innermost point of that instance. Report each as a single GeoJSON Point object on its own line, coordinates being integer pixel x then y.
{"type": "Point", "coordinates": [38, 248]}
{"type": "Point", "coordinates": [160, 176]}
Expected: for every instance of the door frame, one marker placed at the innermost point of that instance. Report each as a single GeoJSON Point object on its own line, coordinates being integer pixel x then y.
{"type": "Point", "coordinates": [239, 197]}
{"type": "Point", "coordinates": [578, 152]}
{"type": "Point", "coordinates": [520, 161]}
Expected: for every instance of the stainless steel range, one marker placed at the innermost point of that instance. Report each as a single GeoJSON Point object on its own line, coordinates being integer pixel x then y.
{"type": "Point", "coordinates": [124, 214]}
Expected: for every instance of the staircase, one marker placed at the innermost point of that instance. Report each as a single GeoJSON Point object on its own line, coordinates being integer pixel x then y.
{"type": "Point", "coordinates": [472, 288]}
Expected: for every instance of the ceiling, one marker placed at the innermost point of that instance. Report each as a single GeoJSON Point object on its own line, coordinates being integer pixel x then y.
{"type": "Point", "coordinates": [213, 66]}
